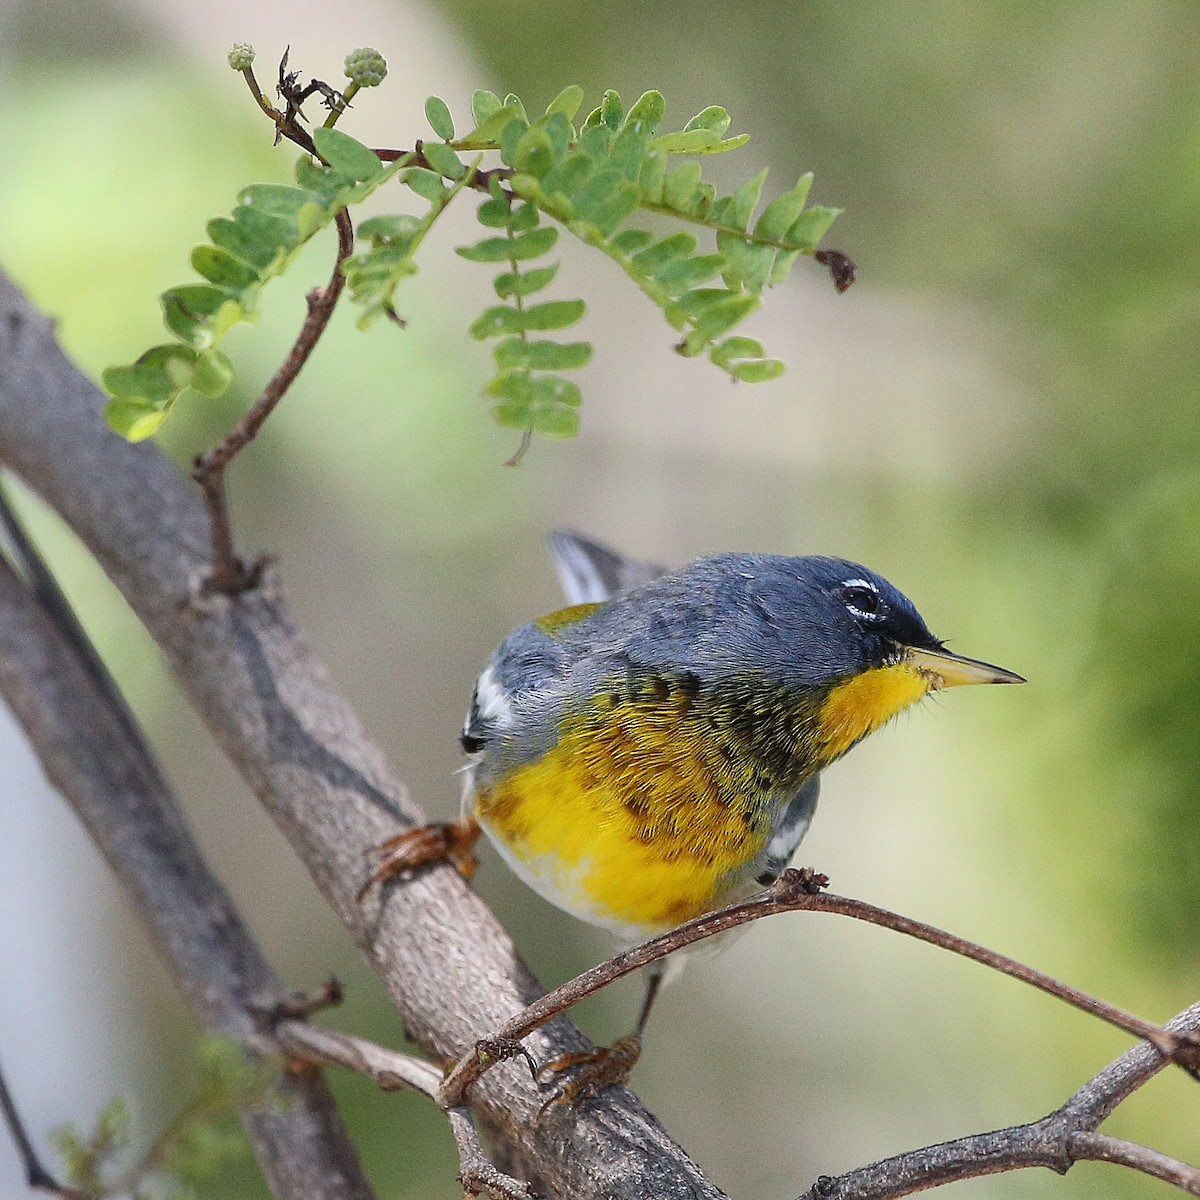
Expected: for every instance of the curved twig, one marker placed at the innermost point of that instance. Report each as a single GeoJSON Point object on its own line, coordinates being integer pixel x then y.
{"type": "Point", "coordinates": [229, 574]}
{"type": "Point", "coordinates": [794, 891]}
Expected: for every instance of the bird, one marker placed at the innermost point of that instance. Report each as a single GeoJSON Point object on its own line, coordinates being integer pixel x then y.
{"type": "Point", "coordinates": [654, 750]}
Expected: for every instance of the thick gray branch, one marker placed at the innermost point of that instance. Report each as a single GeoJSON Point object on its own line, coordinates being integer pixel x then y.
{"type": "Point", "coordinates": [451, 970]}
{"type": "Point", "coordinates": [115, 788]}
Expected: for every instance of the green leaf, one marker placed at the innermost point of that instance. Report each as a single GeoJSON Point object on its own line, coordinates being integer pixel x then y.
{"type": "Point", "coordinates": [606, 200]}
{"type": "Point", "coordinates": [484, 104]}
{"type": "Point", "coordinates": [736, 347]}
{"type": "Point", "coordinates": [746, 265]}
{"type": "Point", "coordinates": [556, 421]}
{"type": "Point", "coordinates": [489, 131]}
{"type": "Point", "coordinates": [392, 227]}
{"type": "Point", "coordinates": [714, 118]}
{"type": "Point", "coordinates": [513, 353]}
{"type": "Point", "coordinates": [527, 245]}
{"type": "Point", "coordinates": [187, 308]}
{"type": "Point", "coordinates": [278, 199]}
{"type": "Point", "coordinates": [553, 390]}
{"type": "Point", "coordinates": [443, 160]}
{"type": "Point", "coordinates": [812, 225]}
{"type": "Point", "coordinates": [427, 184]}
{"type": "Point", "coordinates": [670, 249]}
{"type": "Point", "coordinates": [134, 422]}
{"type": "Point", "coordinates": [680, 186]}
{"type": "Point", "coordinates": [222, 268]}
{"type": "Point", "coordinates": [686, 273]}
{"type": "Point", "coordinates": [147, 384]}
{"type": "Point", "coordinates": [213, 374]}
{"type": "Point", "coordinates": [515, 101]}
{"type": "Point", "coordinates": [628, 151]}
{"type": "Point", "coordinates": [780, 215]}
{"type": "Point", "coordinates": [554, 314]}
{"type": "Point", "coordinates": [611, 110]}
{"type": "Point", "coordinates": [697, 141]}
{"type": "Point", "coordinates": [495, 212]}
{"type": "Point", "coordinates": [514, 385]}
{"type": "Point", "coordinates": [647, 112]}
{"type": "Point", "coordinates": [512, 414]}
{"type": "Point", "coordinates": [534, 154]}
{"type": "Point", "coordinates": [437, 113]}
{"type": "Point", "coordinates": [321, 180]}
{"type": "Point", "coordinates": [566, 102]}
{"type": "Point", "coordinates": [256, 246]}
{"type": "Point", "coordinates": [524, 217]}
{"type": "Point", "coordinates": [630, 241]}
{"type": "Point", "coordinates": [758, 370]}
{"type": "Point", "coordinates": [783, 264]}
{"type": "Point", "coordinates": [347, 155]}
{"type": "Point", "coordinates": [741, 204]}
{"type": "Point", "coordinates": [511, 284]}
{"type": "Point", "coordinates": [719, 318]}
{"type": "Point", "coordinates": [568, 176]}
{"type": "Point", "coordinates": [496, 321]}
{"type": "Point", "coordinates": [652, 176]}
{"type": "Point", "coordinates": [510, 139]}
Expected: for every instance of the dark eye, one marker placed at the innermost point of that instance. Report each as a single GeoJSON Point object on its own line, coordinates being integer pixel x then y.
{"type": "Point", "coordinates": [862, 599]}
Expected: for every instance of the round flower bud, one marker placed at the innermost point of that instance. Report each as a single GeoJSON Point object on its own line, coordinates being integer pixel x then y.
{"type": "Point", "coordinates": [241, 56]}
{"type": "Point", "coordinates": [366, 67]}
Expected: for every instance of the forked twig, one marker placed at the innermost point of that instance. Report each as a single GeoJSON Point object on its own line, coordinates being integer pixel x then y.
{"type": "Point", "coordinates": [392, 1070]}
{"type": "Point", "coordinates": [229, 574]}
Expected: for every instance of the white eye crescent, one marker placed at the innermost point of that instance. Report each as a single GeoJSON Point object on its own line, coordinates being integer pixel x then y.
{"type": "Point", "coordinates": [861, 597]}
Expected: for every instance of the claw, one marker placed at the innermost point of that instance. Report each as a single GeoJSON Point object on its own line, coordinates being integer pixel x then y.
{"type": "Point", "coordinates": [606, 1066]}
{"type": "Point", "coordinates": [425, 845]}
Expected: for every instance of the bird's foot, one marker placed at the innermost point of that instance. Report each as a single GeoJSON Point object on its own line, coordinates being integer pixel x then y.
{"type": "Point", "coordinates": [424, 845]}
{"type": "Point", "coordinates": [594, 1070]}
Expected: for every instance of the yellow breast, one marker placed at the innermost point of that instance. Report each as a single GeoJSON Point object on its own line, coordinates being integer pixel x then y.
{"type": "Point", "coordinates": [637, 818]}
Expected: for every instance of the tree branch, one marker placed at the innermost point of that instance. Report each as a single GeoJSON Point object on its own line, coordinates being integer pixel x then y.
{"type": "Point", "coordinates": [117, 791]}
{"type": "Point", "coordinates": [448, 965]}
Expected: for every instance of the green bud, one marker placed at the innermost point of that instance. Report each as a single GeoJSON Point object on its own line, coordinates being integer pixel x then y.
{"type": "Point", "coordinates": [366, 67]}
{"type": "Point", "coordinates": [241, 56]}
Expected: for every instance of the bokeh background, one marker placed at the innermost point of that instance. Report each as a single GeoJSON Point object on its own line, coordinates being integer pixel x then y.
{"type": "Point", "coordinates": [1001, 417]}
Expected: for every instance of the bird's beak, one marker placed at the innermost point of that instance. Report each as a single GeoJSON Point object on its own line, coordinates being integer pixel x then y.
{"type": "Point", "coordinates": [952, 670]}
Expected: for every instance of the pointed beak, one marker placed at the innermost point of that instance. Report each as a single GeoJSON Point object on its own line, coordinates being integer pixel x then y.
{"type": "Point", "coordinates": [953, 670]}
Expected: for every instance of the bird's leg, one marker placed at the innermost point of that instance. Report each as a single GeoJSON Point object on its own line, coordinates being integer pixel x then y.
{"type": "Point", "coordinates": [451, 841]}
{"type": "Point", "coordinates": [605, 1065]}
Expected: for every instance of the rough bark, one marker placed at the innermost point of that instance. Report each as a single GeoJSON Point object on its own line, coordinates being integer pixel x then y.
{"type": "Point", "coordinates": [449, 967]}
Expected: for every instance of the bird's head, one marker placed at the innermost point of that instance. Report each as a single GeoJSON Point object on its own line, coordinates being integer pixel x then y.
{"type": "Point", "coordinates": [880, 655]}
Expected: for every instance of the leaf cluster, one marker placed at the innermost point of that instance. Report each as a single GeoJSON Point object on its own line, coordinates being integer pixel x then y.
{"type": "Point", "coordinates": [202, 1138]}
{"type": "Point", "coordinates": [591, 177]}
{"type": "Point", "coordinates": [257, 242]}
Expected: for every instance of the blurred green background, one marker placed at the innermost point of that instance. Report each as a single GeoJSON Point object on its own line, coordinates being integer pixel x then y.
{"type": "Point", "coordinates": [1001, 417]}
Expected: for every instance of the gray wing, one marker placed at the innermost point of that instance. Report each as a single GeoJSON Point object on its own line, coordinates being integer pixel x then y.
{"type": "Point", "coordinates": [789, 833]}
{"type": "Point", "coordinates": [590, 572]}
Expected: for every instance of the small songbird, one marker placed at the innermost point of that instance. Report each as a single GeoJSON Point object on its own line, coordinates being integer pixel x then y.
{"type": "Point", "coordinates": [654, 751]}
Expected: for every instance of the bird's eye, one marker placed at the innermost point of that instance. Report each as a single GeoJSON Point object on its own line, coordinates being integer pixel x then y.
{"type": "Point", "coordinates": [862, 599]}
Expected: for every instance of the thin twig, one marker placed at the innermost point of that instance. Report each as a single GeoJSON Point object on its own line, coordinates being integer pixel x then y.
{"type": "Point", "coordinates": [794, 891]}
{"type": "Point", "coordinates": [229, 574]}
{"type": "Point", "coordinates": [391, 1070]}
{"type": "Point", "coordinates": [1058, 1140]}
{"type": "Point", "coordinates": [36, 1174]}
{"type": "Point", "coordinates": [1100, 1147]}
